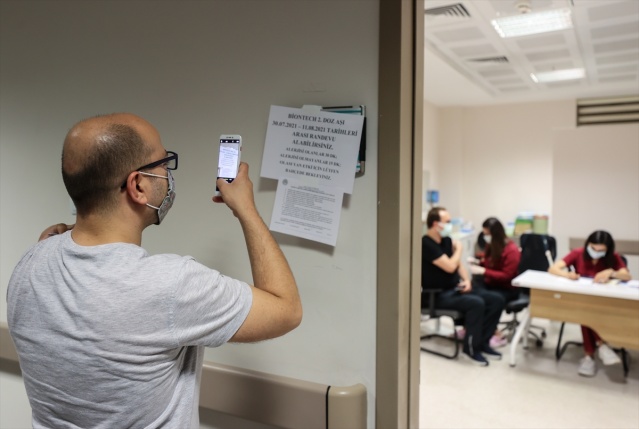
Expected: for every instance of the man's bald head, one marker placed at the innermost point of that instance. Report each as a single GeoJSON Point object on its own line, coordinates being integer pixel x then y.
{"type": "Point", "coordinates": [99, 153]}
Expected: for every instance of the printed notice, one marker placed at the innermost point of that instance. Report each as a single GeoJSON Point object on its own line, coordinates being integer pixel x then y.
{"type": "Point", "coordinates": [320, 147]}
{"type": "Point", "coordinates": [307, 211]}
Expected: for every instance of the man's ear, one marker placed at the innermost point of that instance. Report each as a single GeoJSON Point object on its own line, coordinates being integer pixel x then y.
{"type": "Point", "coordinates": [135, 188]}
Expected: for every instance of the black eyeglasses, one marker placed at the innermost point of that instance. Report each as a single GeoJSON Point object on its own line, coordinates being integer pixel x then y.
{"type": "Point", "coordinates": [170, 163]}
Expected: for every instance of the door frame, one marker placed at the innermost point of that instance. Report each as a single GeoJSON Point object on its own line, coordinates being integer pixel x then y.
{"type": "Point", "coordinates": [401, 58]}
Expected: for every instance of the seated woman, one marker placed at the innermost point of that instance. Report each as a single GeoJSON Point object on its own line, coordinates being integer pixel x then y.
{"type": "Point", "coordinates": [597, 259]}
{"type": "Point", "coordinates": [497, 267]}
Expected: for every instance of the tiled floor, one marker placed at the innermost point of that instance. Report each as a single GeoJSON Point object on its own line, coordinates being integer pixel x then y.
{"type": "Point", "coordinates": [538, 392]}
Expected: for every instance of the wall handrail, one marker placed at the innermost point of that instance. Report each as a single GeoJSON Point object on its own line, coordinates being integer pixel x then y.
{"type": "Point", "coordinates": [623, 247]}
{"type": "Point", "coordinates": [265, 398]}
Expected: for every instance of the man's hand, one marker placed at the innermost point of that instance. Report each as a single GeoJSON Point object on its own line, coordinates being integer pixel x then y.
{"type": "Point", "coordinates": [237, 195]}
{"type": "Point", "coordinates": [457, 245]}
{"type": "Point", "coordinates": [276, 308]}
{"type": "Point", "coordinates": [465, 286]}
{"type": "Point", "coordinates": [56, 229]}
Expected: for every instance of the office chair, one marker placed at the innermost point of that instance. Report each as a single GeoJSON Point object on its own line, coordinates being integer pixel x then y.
{"type": "Point", "coordinates": [538, 251]}
{"type": "Point", "coordinates": [560, 349]}
{"type": "Point", "coordinates": [434, 313]}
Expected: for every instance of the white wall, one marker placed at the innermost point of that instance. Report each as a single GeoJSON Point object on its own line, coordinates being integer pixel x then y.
{"type": "Point", "coordinates": [14, 404]}
{"type": "Point", "coordinates": [596, 184]}
{"type": "Point", "coordinates": [451, 166]}
{"type": "Point", "coordinates": [501, 160]}
{"type": "Point", "coordinates": [196, 70]}
{"type": "Point", "coordinates": [431, 148]}
{"type": "Point", "coordinates": [497, 160]}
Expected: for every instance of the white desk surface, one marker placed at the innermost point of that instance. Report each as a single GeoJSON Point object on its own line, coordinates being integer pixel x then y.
{"type": "Point", "coordinates": [544, 280]}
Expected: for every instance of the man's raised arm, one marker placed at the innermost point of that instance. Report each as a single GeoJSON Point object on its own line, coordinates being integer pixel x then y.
{"type": "Point", "coordinates": [277, 308]}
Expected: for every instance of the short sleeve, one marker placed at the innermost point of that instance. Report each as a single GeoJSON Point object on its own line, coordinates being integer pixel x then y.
{"type": "Point", "coordinates": [208, 307]}
{"type": "Point", "coordinates": [619, 264]}
{"type": "Point", "coordinates": [430, 250]}
{"type": "Point", "coordinates": [572, 257]}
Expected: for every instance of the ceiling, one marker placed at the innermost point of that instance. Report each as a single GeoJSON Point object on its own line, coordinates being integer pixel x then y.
{"type": "Point", "coordinates": [468, 63]}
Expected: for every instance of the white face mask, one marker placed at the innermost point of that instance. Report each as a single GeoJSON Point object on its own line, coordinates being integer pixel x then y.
{"type": "Point", "coordinates": [167, 202]}
{"type": "Point", "coordinates": [594, 254]}
{"type": "Point", "coordinates": [487, 238]}
{"type": "Point", "coordinates": [446, 230]}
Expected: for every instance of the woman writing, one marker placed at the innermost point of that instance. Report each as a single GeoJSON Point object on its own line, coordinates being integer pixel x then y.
{"type": "Point", "coordinates": [596, 259]}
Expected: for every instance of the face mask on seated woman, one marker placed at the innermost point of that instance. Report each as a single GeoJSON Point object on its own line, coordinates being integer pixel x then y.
{"type": "Point", "coordinates": [594, 254]}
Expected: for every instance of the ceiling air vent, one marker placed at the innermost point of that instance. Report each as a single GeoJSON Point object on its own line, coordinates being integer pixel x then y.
{"type": "Point", "coordinates": [612, 110]}
{"type": "Point", "coordinates": [456, 10]}
{"type": "Point", "coordinates": [490, 60]}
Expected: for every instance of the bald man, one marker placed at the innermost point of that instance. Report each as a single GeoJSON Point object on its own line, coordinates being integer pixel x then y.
{"type": "Point", "coordinates": [109, 336]}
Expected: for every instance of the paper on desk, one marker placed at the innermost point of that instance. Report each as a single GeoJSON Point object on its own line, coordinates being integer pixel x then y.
{"type": "Point", "coordinates": [584, 281]}
{"type": "Point", "coordinates": [590, 281]}
{"type": "Point", "coordinates": [632, 283]}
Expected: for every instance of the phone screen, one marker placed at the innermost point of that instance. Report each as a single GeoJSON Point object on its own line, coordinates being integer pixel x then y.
{"type": "Point", "coordinates": [229, 159]}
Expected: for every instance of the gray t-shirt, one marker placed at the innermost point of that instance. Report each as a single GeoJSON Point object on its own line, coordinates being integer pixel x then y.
{"type": "Point", "coordinates": [111, 337]}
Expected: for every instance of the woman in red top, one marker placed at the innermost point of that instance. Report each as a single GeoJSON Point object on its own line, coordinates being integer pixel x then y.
{"type": "Point", "coordinates": [597, 259]}
{"type": "Point", "coordinates": [497, 267]}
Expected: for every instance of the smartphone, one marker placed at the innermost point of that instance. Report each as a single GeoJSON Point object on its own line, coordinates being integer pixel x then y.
{"type": "Point", "coordinates": [229, 159]}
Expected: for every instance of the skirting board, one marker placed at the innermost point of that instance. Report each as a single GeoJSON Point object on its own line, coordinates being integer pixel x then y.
{"type": "Point", "coordinates": [265, 398]}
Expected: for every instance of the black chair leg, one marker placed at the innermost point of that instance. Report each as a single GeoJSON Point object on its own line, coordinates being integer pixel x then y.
{"type": "Point", "coordinates": [559, 351]}
{"type": "Point", "coordinates": [510, 328]}
{"type": "Point", "coordinates": [542, 331]}
{"type": "Point", "coordinates": [624, 360]}
{"type": "Point", "coordinates": [538, 338]}
{"type": "Point", "coordinates": [455, 339]}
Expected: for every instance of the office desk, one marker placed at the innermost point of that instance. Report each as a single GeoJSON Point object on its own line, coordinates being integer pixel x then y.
{"type": "Point", "coordinates": [610, 309]}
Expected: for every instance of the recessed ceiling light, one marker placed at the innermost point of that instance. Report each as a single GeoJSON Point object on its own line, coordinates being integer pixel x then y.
{"type": "Point", "coordinates": [533, 23]}
{"type": "Point", "coordinates": [558, 75]}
